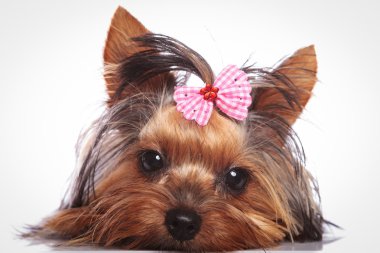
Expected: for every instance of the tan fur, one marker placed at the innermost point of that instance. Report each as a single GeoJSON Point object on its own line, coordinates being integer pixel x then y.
{"type": "Point", "coordinates": [118, 47]}
{"type": "Point", "coordinates": [128, 207]}
{"type": "Point", "coordinates": [301, 69]}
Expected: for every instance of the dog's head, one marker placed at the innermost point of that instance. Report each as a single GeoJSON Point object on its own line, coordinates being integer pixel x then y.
{"type": "Point", "coordinates": [149, 178]}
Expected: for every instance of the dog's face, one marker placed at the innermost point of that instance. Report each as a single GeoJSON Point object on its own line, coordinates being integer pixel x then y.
{"type": "Point", "coordinates": [150, 179]}
{"type": "Point", "coordinates": [191, 188]}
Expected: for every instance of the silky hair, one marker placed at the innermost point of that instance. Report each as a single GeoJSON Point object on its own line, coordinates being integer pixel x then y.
{"type": "Point", "coordinates": [112, 203]}
{"type": "Point", "coordinates": [268, 133]}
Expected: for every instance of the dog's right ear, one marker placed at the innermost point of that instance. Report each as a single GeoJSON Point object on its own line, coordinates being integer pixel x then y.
{"type": "Point", "coordinates": [123, 27]}
{"type": "Point", "coordinates": [119, 47]}
{"type": "Point", "coordinates": [140, 63]}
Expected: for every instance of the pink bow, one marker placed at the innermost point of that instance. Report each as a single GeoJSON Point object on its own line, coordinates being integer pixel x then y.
{"type": "Point", "coordinates": [230, 91]}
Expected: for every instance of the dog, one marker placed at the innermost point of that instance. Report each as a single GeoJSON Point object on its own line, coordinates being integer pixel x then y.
{"type": "Point", "coordinates": [169, 166]}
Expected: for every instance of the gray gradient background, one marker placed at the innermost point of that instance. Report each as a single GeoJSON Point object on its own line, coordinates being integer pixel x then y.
{"type": "Point", "coordinates": [51, 86]}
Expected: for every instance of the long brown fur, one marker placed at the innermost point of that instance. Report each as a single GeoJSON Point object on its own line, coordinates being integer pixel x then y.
{"type": "Point", "coordinates": [113, 203]}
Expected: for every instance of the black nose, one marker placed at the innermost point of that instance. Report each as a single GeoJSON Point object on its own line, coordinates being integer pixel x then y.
{"type": "Point", "coordinates": [183, 224]}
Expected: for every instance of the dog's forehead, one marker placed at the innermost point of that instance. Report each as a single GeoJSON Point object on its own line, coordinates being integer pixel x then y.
{"type": "Point", "coordinates": [170, 131]}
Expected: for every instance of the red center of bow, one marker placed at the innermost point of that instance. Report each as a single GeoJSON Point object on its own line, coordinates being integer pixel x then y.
{"type": "Point", "coordinates": [209, 92]}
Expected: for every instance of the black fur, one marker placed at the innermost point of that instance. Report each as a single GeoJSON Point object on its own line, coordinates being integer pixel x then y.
{"type": "Point", "coordinates": [120, 125]}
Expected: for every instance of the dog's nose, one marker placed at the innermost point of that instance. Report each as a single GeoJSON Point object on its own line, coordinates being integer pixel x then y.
{"type": "Point", "coordinates": [183, 224]}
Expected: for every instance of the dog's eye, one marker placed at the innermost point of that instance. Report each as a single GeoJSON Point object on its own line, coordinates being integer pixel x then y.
{"type": "Point", "coordinates": [151, 161]}
{"type": "Point", "coordinates": [236, 179]}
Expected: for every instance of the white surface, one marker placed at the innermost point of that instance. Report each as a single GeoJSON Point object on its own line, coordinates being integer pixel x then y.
{"type": "Point", "coordinates": [51, 86]}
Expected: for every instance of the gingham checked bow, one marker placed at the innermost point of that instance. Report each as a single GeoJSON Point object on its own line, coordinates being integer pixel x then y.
{"type": "Point", "coordinates": [230, 92]}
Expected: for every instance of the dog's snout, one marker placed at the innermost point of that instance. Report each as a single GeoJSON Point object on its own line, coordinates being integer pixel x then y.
{"type": "Point", "coordinates": [183, 224]}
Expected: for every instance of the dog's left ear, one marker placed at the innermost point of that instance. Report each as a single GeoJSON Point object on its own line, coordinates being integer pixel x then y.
{"type": "Point", "coordinates": [290, 86]}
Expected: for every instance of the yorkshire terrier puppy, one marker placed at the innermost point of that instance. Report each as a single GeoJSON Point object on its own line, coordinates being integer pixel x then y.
{"type": "Point", "coordinates": [170, 166]}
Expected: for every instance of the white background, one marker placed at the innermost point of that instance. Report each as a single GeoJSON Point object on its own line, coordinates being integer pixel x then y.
{"type": "Point", "coordinates": [51, 86]}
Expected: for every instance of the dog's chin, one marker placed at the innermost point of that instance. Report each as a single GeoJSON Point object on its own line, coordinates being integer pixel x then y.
{"type": "Point", "coordinates": [166, 243]}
